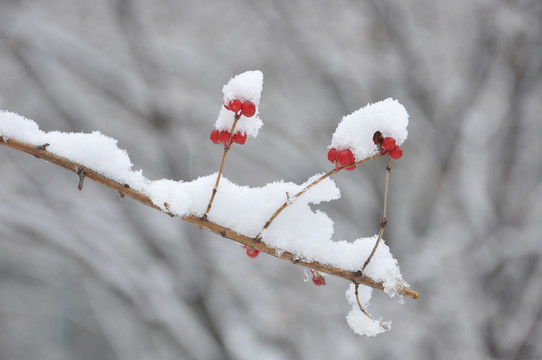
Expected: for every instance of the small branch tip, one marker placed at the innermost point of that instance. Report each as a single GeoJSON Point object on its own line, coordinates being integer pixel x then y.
{"type": "Point", "coordinates": [41, 147]}
{"type": "Point", "coordinates": [81, 174]}
{"type": "Point", "coordinates": [166, 205]}
{"type": "Point", "coordinates": [383, 326]}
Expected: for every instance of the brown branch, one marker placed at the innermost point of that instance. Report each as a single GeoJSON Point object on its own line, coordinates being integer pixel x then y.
{"type": "Point", "coordinates": [384, 221]}
{"type": "Point", "coordinates": [289, 199]}
{"type": "Point", "coordinates": [200, 222]}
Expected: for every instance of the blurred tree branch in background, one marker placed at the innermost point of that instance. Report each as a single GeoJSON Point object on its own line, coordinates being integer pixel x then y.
{"type": "Point", "coordinates": [469, 209]}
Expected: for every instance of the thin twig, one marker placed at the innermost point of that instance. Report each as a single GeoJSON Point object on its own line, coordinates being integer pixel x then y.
{"type": "Point", "coordinates": [226, 150]}
{"type": "Point", "coordinates": [363, 310]}
{"type": "Point", "coordinates": [290, 200]}
{"type": "Point", "coordinates": [357, 277]}
{"type": "Point", "coordinates": [384, 218]}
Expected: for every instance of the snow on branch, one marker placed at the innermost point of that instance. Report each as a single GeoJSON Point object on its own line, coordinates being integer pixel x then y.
{"type": "Point", "coordinates": [277, 218]}
{"type": "Point", "coordinates": [123, 189]}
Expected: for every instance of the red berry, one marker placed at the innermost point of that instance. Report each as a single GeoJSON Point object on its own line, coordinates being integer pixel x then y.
{"type": "Point", "coordinates": [377, 138]}
{"type": "Point", "coordinates": [317, 278]}
{"type": "Point", "coordinates": [251, 252]}
{"type": "Point", "coordinates": [388, 143]}
{"type": "Point", "coordinates": [332, 154]}
{"type": "Point", "coordinates": [396, 153]}
{"type": "Point", "coordinates": [239, 138]}
{"type": "Point", "coordinates": [248, 108]}
{"type": "Point", "coordinates": [345, 157]}
{"type": "Point", "coordinates": [234, 105]}
{"type": "Point", "coordinates": [214, 136]}
{"type": "Point", "coordinates": [223, 137]}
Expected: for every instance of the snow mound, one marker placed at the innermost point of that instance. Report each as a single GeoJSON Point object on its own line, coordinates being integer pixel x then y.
{"type": "Point", "coordinates": [355, 131]}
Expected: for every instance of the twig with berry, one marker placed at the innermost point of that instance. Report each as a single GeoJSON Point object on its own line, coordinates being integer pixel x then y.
{"type": "Point", "coordinates": [239, 108]}
{"type": "Point", "coordinates": [345, 159]}
{"type": "Point", "coordinates": [348, 165]}
{"type": "Point", "coordinates": [387, 146]}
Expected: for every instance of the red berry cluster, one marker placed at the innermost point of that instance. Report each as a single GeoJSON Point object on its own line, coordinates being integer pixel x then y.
{"type": "Point", "coordinates": [317, 278]}
{"type": "Point", "coordinates": [387, 146]}
{"type": "Point", "coordinates": [252, 253]}
{"type": "Point", "coordinates": [222, 137]}
{"type": "Point", "coordinates": [342, 158]}
{"type": "Point", "coordinates": [246, 108]}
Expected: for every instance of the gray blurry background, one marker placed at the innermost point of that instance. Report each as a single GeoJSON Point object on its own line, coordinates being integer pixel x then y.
{"type": "Point", "coordinates": [86, 276]}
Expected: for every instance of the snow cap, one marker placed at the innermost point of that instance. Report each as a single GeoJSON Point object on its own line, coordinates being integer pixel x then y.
{"type": "Point", "coordinates": [355, 131]}
{"type": "Point", "coordinates": [246, 86]}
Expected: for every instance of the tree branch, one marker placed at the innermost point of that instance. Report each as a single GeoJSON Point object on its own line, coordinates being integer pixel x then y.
{"type": "Point", "coordinates": [384, 218]}
{"type": "Point", "coordinates": [289, 199]}
{"type": "Point", "coordinates": [42, 153]}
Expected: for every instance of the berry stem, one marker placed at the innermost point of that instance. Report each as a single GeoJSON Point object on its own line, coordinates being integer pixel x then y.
{"type": "Point", "coordinates": [226, 149]}
{"type": "Point", "coordinates": [363, 310]}
{"type": "Point", "coordinates": [315, 182]}
{"type": "Point", "coordinates": [384, 218]}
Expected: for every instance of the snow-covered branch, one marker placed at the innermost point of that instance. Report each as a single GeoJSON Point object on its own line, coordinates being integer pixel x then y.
{"type": "Point", "coordinates": [276, 218]}
{"type": "Point", "coordinates": [83, 172]}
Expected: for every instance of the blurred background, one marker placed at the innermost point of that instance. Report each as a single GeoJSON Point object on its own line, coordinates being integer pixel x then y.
{"type": "Point", "coordinates": [86, 276]}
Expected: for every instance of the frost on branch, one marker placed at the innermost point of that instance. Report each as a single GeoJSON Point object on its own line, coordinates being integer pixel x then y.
{"type": "Point", "coordinates": [305, 233]}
